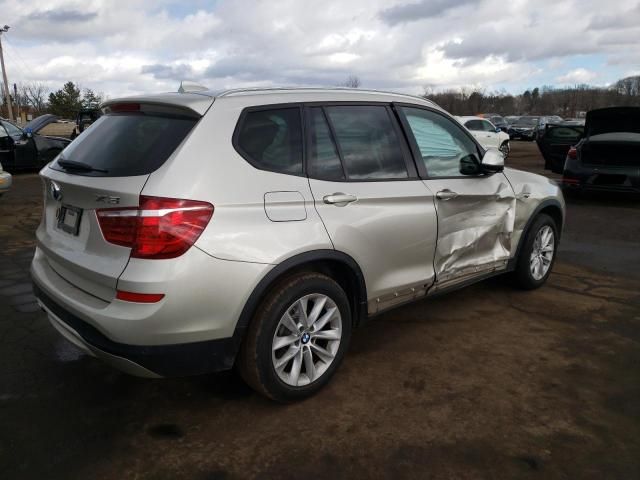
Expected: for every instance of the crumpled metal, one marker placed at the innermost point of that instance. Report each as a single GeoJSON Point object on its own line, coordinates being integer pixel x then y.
{"type": "Point", "coordinates": [477, 233]}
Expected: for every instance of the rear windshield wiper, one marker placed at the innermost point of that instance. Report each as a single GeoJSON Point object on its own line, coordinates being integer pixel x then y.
{"type": "Point", "coordinates": [80, 166]}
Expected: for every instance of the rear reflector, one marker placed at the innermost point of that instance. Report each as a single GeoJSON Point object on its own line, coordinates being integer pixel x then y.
{"type": "Point", "coordinates": [159, 228]}
{"type": "Point", "coordinates": [139, 297]}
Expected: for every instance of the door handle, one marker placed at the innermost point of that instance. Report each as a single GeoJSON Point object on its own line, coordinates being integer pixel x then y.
{"type": "Point", "coordinates": [339, 199]}
{"type": "Point", "coordinates": [446, 194]}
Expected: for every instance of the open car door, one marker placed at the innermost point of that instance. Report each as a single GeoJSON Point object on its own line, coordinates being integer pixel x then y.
{"type": "Point", "coordinates": [555, 143]}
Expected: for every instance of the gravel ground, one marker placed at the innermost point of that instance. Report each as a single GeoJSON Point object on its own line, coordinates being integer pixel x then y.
{"type": "Point", "coordinates": [487, 382]}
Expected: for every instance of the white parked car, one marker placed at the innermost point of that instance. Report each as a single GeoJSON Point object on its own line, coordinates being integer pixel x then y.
{"type": "Point", "coordinates": [487, 133]}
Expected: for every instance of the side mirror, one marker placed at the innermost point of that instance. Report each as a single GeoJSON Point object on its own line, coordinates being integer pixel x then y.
{"type": "Point", "coordinates": [498, 129]}
{"type": "Point", "coordinates": [493, 160]}
{"type": "Point", "coordinates": [28, 133]}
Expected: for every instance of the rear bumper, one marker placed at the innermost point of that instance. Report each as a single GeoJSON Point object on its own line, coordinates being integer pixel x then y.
{"type": "Point", "coordinates": [140, 360]}
{"type": "Point", "coordinates": [594, 179]}
{"type": "Point", "coordinates": [192, 330]}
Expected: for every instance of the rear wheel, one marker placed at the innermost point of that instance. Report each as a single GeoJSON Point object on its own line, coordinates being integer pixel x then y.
{"type": "Point", "coordinates": [538, 253]}
{"type": "Point", "coordinates": [297, 338]}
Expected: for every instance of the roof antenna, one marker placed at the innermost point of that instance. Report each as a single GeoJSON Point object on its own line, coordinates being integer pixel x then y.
{"type": "Point", "coordinates": [187, 86]}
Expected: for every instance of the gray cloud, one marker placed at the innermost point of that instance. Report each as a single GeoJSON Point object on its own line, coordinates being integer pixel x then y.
{"type": "Point", "coordinates": [628, 19]}
{"type": "Point", "coordinates": [411, 12]}
{"type": "Point", "coordinates": [389, 44]}
{"type": "Point", "coordinates": [168, 72]}
{"type": "Point", "coordinates": [61, 16]}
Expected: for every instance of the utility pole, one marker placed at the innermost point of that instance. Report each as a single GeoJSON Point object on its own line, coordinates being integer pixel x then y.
{"type": "Point", "coordinates": [4, 74]}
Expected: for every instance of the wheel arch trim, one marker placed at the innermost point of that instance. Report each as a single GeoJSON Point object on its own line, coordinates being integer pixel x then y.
{"type": "Point", "coordinates": [550, 202]}
{"type": "Point", "coordinates": [290, 265]}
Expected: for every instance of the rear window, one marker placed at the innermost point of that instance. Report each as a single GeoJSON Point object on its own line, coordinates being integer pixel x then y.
{"type": "Point", "coordinates": [125, 145]}
{"type": "Point", "coordinates": [272, 139]}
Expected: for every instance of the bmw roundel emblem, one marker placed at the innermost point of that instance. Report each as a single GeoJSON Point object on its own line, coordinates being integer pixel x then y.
{"type": "Point", "coordinates": [55, 191]}
{"type": "Point", "coordinates": [305, 338]}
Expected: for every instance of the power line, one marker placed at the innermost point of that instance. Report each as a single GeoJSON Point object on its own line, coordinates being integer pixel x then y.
{"type": "Point", "coordinates": [16, 51]}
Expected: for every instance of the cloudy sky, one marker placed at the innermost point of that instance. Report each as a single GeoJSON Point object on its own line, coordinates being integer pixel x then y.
{"type": "Point", "coordinates": [124, 47]}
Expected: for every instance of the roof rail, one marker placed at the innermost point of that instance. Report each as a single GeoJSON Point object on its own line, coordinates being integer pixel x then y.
{"type": "Point", "coordinates": [187, 86]}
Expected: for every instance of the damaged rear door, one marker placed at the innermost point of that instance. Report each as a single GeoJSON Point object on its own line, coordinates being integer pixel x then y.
{"type": "Point", "coordinates": [476, 211]}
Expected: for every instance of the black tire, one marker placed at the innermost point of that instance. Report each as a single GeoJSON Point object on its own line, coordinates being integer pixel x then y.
{"type": "Point", "coordinates": [255, 363]}
{"type": "Point", "coordinates": [506, 145]}
{"type": "Point", "coordinates": [523, 274]}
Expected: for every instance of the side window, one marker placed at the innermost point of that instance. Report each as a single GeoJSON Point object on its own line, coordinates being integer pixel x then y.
{"type": "Point", "coordinates": [446, 150]}
{"type": "Point", "coordinates": [3, 132]}
{"type": "Point", "coordinates": [565, 133]}
{"type": "Point", "coordinates": [367, 142]}
{"type": "Point", "coordinates": [12, 129]}
{"type": "Point", "coordinates": [272, 139]}
{"type": "Point", "coordinates": [475, 125]}
{"type": "Point", "coordinates": [487, 127]}
{"type": "Point", "coordinates": [324, 162]}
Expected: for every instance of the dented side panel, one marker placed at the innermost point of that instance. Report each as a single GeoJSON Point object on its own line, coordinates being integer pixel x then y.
{"type": "Point", "coordinates": [475, 227]}
{"type": "Point", "coordinates": [530, 191]}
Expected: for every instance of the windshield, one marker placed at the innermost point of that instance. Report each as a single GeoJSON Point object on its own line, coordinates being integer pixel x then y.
{"type": "Point", "coordinates": [119, 145]}
{"type": "Point", "coordinates": [528, 121]}
{"type": "Point", "coordinates": [497, 120]}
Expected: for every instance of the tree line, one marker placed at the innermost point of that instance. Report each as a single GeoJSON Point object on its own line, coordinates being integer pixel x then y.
{"type": "Point", "coordinates": [38, 99]}
{"type": "Point", "coordinates": [566, 102]}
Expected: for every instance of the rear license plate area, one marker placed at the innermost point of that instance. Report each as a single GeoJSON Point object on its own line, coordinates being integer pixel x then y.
{"type": "Point", "coordinates": [69, 219]}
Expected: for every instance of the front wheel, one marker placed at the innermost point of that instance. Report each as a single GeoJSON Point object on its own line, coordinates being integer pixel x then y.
{"type": "Point", "coordinates": [297, 338]}
{"type": "Point", "coordinates": [505, 148]}
{"type": "Point", "coordinates": [538, 253]}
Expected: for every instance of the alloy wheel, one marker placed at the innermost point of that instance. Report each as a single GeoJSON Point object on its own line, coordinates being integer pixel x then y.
{"type": "Point", "coordinates": [306, 340]}
{"type": "Point", "coordinates": [542, 252]}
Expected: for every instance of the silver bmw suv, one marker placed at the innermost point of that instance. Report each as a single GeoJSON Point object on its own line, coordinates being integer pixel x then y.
{"type": "Point", "coordinates": [192, 232]}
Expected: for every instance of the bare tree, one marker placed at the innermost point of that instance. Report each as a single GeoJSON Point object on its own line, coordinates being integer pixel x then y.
{"type": "Point", "coordinates": [35, 94]}
{"type": "Point", "coordinates": [352, 81]}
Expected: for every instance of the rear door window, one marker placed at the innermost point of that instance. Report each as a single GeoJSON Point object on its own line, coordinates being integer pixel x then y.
{"type": "Point", "coordinates": [324, 161]}
{"type": "Point", "coordinates": [367, 142]}
{"type": "Point", "coordinates": [127, 144]}
{"type": "Point", "coordinates": [271, 139]}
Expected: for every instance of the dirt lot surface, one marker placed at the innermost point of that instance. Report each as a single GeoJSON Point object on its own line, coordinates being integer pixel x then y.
{"type": "Point", "coordinates": [487, 382]}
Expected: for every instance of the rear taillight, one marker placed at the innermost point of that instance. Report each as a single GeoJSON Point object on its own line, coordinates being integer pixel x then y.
{"type": "Point", "coordinates": [572, 153]}
{"type": "Point", "coordinates": [158, 228]}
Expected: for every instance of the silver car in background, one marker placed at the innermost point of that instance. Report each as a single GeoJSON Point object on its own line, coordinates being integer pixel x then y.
{"type": "Point", "coordinates": [190, 232]}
